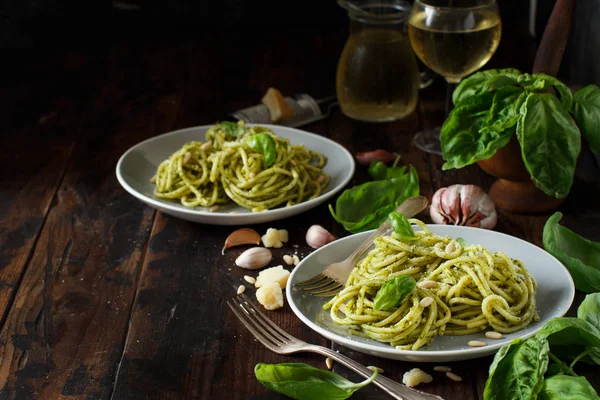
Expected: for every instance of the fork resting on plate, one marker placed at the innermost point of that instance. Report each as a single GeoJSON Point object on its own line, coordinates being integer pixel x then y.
{"type": "Point", "coordinates": [329, 282]}
{"type": "Point", "coordinates": [279, 341]}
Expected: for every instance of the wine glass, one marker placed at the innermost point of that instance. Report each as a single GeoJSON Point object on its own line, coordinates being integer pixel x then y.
{"type": "Point", "coordinates": [454, 38]}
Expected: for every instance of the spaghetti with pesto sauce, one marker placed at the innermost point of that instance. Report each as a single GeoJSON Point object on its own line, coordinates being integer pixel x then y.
{"type": "Point", "coordinates": [472, 290]}
{"type": "Point", "coordinates": [226, 168]}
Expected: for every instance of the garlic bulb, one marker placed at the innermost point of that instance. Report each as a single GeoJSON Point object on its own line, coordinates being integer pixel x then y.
{"type": "Point", "coordinates": [317, 236]}
{"type": "Point", "coordinates": [254, 258]}
{"type": "Point", "coordinates": [463, 205]}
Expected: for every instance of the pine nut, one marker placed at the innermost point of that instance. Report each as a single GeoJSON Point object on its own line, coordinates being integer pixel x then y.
{"type": "Point", "coordinates": [288, 259]}
{"type": "Point", "coordinates": [206, 146]}
{"type": "Point", "coordinates": [296, 259]}
{"type": "Point", "coordinates": [442, 368]}
{"type": "Point", "coordinates": [426, 301]}
{"type": "Point", "coordinates": [293, 162]}
{"type": "Point", "coordinates": [215, 208]}
{"type": "Point", "coordinates": [428, 285]}
{"type": "Point", "coordinates": [450, 247]}
{"type": "Point", "coordinates": [321, 178]}
{"type": "Point", "coordinates": [494, 335]}
{"type": "Point", "coordinates": [186, 157]}
{"type": "Point", "coordinates": [153, 179]}
{"type": "Point", "coordinates": [249, 279]}
{"type": "Point", "coordinates": [251, 175]}
{"type": "Point", "coordinates": [329, 363]}
{"type": "Point", "coordinates": [241, 289]}
{"type": "Point", "coordinates": [454, 377]}
{"type": "Point", "coordinates": [476, 343]}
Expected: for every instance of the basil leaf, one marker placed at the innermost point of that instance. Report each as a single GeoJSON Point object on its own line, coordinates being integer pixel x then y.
{"type": "Point", "coordinates": [265, 144]}
{"type": "Point", "coordinates": [484, 82]}
{"type": "Point", "coordinates": [401, 226]}
{"type": "Point", "coordinates": [393, 292]}
{"type": "Point", "coordinates": [231, 128]}
{"type": "Point", "coordinates": [565, 387]}
{"type": "Point", "coordinates": [303, 382]}
{"type": "Point", "coordinates": [589, 310]}
{"type": "Point", "coordinates": [541, 82]}
{"type": "Point", "coordinates": [571, 336]}
{"type": "Point", "coordinates": [366, 206]}
{"type": "Point", "coordinates": [578, 254]}
{"type": "Point", "coordinates": [504, 112]}
{"type": "Point", "coordinates": [464, 143]}
{"type": "Point", "coordinates": [379, 171]}
{"type": "Point", "coordinates": [586, 112]}
{"type": "Point", "coordinates": [550, 143]}
{"type": "Point", "coordinates": [517, 371]}
{"type": "Point", "coordinates": [461, 241]}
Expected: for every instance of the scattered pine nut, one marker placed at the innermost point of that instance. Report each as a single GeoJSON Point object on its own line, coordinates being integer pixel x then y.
{"type": "Point", "coordinates": [153, 179]}
{"type": "Point", "coordinates": [293, 162]}
{"type": "Point", "coordinates": [206, 146]}
{"type": "Point", "coordinates": [249, 279]}
{"type": "Point", "coordinates": [251, 175]}
{"type": "Point", "coordinates": [289, 260]}
{"type": "Point", "coordinates": [373, 368]}
{"type": "Point", "coordinates": [454, 377]}
{"type": "Point", "coordinates": [494, 335]}
{"type": "Point", "coordinates": [428, 285]}
{"type": "Point", "coordinates": [329, 362]}
{"type": "Point", "coordinates": [321, 178]}
{"type": "Point", "coordinates": [442, 368]}
{"type": "Point", "coordinates": [214, 208]}
{"type": "Point", "coordinates": [241, 289]}
{"type": "Point", "coordinates": [476, 343]}
{"type": "Point", "coordinates": [187, 157]}
{"type": "Point", "coordinates": [426, 301]}
{"type": "Point", "coordinates": [450, 247]}
{"type": "Point", "coordinates": [295, 259]}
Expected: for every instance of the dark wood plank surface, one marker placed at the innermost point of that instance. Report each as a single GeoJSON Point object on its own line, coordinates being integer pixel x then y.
{"type": "Point", "coordinates": [102, 297]}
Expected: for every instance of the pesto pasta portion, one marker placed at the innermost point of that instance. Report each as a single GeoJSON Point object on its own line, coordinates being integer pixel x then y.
{"type": "Point", "coordinates": [471, 290]}
{"type": "Point", "coordinates": [250, 166]}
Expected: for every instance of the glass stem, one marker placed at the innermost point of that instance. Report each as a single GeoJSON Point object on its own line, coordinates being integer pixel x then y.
{"type": "Point", "coordinates": [449, 90]}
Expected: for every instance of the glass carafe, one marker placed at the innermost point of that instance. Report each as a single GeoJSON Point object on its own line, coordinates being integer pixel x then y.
{"type": "Point", "coordinates": [377, 77]}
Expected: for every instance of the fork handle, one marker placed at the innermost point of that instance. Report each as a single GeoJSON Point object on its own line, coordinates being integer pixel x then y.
{"type": "Point", "coordinates": [391, 387]}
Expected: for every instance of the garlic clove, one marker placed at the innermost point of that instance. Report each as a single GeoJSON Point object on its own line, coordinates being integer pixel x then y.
{"type": "Point", "coordinates": [254, 258]}
{"type": "Point", "coordinates": [317, 236]}
{"type": "Point", "coordinates": [367, 157]}
{"type": "Point", "coordinates": [463, 205]}
{"type": "Point", "coordinates": [241, 236]}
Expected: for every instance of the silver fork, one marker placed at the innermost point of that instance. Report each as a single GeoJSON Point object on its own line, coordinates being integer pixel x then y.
{"type": "Point", "coordinates": [279, 341]}
{"type": "Point", "coordinates": [329, 282]}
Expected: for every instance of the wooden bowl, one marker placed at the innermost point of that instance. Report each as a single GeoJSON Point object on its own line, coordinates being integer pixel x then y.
{"type": "Point", "coordinates": [514, 190]}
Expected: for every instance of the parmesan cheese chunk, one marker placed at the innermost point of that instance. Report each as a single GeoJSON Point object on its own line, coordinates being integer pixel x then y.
{"type": "Point", "coordinates": [275, 238]}
{"type": "Point", "coordinates": [270, 296]}
{"type": "Point", "coordinates": [274, 274]}
{"type": "Point", "coordinates": [278, 107]}
{"type": "Point", "coordinates": [415, 376]}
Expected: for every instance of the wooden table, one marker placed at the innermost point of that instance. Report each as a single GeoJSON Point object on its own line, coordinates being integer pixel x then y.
{"type": "Point", "coordinates": [102, 297]}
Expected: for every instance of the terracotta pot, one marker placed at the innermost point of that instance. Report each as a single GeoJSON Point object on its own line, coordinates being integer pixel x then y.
{"type": "Point", "coordinates": [514, 191]}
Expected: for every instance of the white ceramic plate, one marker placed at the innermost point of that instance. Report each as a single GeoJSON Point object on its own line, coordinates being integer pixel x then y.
{"type": "Point", "coordinates": [138, 165]}
{"type": "Point", "coordinates": [554, 296]}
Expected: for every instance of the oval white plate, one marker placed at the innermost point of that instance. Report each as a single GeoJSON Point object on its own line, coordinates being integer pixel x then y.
{"type": "Point", "coordinates": [137, 166]}
{"type": "Point", "coordinates": [554, 297]}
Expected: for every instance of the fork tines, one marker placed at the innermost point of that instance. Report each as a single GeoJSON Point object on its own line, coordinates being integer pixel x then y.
{"type": "Point", "coordinates": [261, 326]}
{"type": "Point", "coordinates": [321, 285]}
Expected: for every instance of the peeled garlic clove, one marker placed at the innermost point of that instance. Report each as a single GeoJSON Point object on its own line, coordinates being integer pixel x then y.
{"type": "Point", "coordinates": [317, 236]}
{"type": "Point", "coordinates": [367, 157]}
{"type": "Point", "coordinates": [254, 258]}
{"type": "Point", "coordinates": [241, 236]}
{"type": "Point", "coordinates": [463, 205]}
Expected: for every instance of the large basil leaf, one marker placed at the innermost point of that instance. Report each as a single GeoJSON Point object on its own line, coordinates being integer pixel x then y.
{"type": "Point", "coordinates": [265, 144]}
{"type": "Point", "coordinates": [379, 171]}
{"type": "Point", "coordinates": [366, 206]}
{"type": "Point", "coordinates": [231, 128]}
{"type": "Point", "coordinates": [484, 82]}
{"type": "Point", "coordinates": [550, 143]}
{"type": "Point", "coordinates": [586, 111]}
{"type": "Point", "coordinates": [517, 371]}
{"type": "Point", "coordinates": [393, 292]}
{"type": "Point", "coordinates": [303, 382]}
{"type": "Point", "coordinates": [580, 255]}
{"type": "Point", "coordinates": [570, 337]}
{"type": "Point", "coordinates": [565, 387]}
{"type": "Point", "coordinates": [469, 134]}
{"type": "Point", "coordinates": [589, 310]}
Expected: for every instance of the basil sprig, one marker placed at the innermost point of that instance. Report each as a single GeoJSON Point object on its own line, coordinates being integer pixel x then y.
{"type": "Point", "coordinates": [303, 382]}
{"type": "Point", "coordinates": [492, 106]}
{"type": "Point", "coordinates": [401, 226]}
{"type": "Point", "coordinates": [536, 368]}
{"type": "Point", "coordinates": [265, 144]}
{"type": "Point", "coordinates": [391, 294]}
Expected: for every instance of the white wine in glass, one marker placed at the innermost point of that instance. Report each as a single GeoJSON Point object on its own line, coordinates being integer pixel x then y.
{"type": "Point", "coordinates": [453, 38]}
